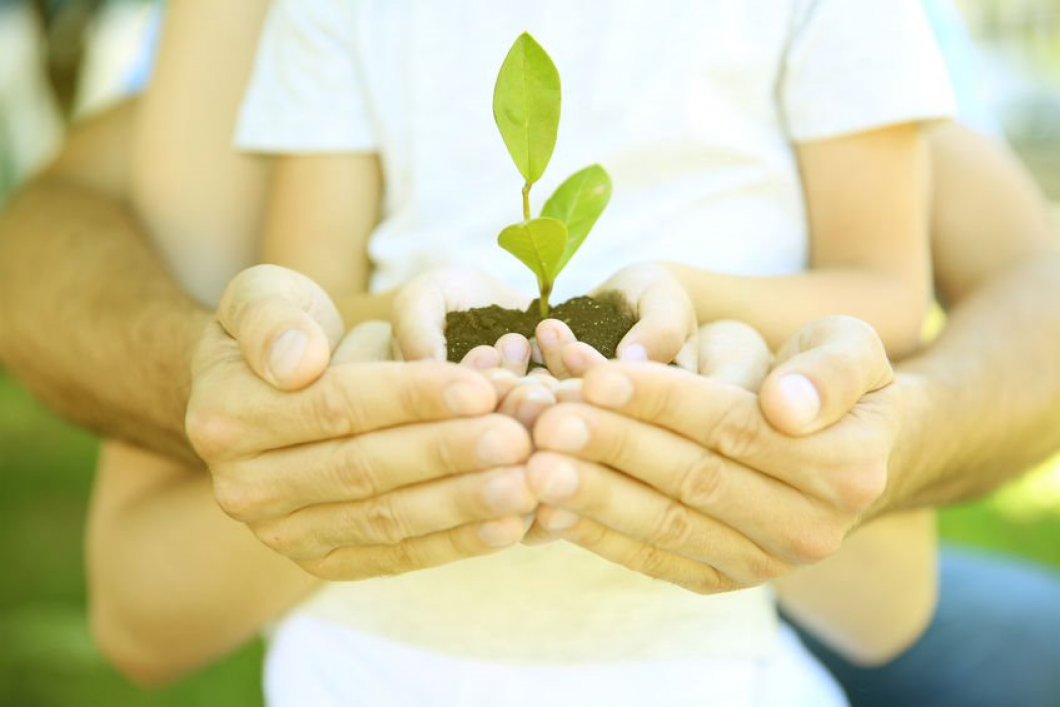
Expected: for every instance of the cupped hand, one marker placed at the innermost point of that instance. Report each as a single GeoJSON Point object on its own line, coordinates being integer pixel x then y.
{"type": "Point", "coordinates": [364, 467]}
{"type": "Point", "coordinates": [666, 326]}
{"type": "Point", "coordinates": [421, 305]}
{"type": "Point", "coordinates": [696, 480]}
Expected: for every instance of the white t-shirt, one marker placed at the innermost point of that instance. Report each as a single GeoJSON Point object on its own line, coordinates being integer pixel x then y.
{"type": "Point", "coordinates": [692, 108]}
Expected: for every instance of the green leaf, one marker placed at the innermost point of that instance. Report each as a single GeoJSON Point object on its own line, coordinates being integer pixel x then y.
{"type": "Point", "coordinates": [526, 103]}
{"type": "Point", "coordinates": [539, 243]}
{"type": "Point", "coordinates": [578, 203]}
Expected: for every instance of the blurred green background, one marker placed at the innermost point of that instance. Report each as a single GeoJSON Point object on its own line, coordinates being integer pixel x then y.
{"type": "Point", "coordinates": [46, 654]}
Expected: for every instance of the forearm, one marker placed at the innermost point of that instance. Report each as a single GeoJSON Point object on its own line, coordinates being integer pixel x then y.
{"type": "Point", "coordinates": [174, 583]}
{"type": "Point", "coordinates": [889, 564]}
{"type": "Point", "coordinates": [984, 399]}
{"type": "Point", "coordinates": [778, 306]}
{"type": "Point", "coordinates": [90, 320]}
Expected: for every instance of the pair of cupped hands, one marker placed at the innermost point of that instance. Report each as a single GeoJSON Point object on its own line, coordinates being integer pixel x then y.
{"type": "Point", "coordinates": [724, 472]}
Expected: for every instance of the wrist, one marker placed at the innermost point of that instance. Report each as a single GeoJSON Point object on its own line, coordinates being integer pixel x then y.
{"type": "Point", "coordinates": [913, 398]}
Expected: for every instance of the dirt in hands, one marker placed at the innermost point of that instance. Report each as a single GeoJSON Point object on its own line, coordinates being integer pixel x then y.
{"type": "Point", "coordinates": [600, 322]}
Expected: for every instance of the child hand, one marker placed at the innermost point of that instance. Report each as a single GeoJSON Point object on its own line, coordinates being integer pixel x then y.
{"type": "Point", "coordinates": [665, 330]}
{"type": "Point", "coordinates": [421, 305]}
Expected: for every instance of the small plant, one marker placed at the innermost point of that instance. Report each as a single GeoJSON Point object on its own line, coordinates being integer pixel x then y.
{"type": "Point", "coordinates": [526, 107]}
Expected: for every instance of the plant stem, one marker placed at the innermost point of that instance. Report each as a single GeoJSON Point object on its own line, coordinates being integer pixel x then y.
{"type": "Point", "coordinates": [526, 201]}
{"type": "Point", "coordinates": [546, 290]}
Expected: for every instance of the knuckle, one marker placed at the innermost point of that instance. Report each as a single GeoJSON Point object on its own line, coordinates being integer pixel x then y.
{"type": "Point", "coordinates": [402, 557]}
{"type": "Point", "coordinates": [860, 488]}
{"type": "Point", "coordinates": [763, 568]}
{"type": "Point", "coordinates": [239, 500]}
{"type": "Point", "coordinates": [326, 568]}
{"type": "Point", "coordinates": [280, 537]}
{"type": "Point", "coordinates": [674, 528]}
{"type": "Point", "coordinates": [652, 561]}
{"type": "Point", "coordinates": [811, 545]}
{"type": "Point", "coordinates": [705, 579]}
{"type": "Point", "coordinates": [446, 455]}
{"type": "Point", "coordinates": [332, 412]}
{"type": "Point", "coordinates": [738, 431]}
{"type": "Point", "coordinates": [382, 523]}
{"type": "Point", "coordinates": [212, 433]}
{"type": "Point", "coordinates": [355, 470]}
{"type": "Point", "coordinates": [700, 485]}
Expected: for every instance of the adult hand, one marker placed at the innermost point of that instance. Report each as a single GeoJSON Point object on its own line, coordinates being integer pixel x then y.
{"type": "Point", "coordinates": [375, 467]}
{"type": "Point", "coordinates": [421, 305]}
{"type": "Point", "coordinates": [685, 478]}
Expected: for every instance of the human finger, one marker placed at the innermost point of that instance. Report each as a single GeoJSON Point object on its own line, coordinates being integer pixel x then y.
{"type": "Point", "coordinates": [285, 323]}
{"type": "Point", "coordinates": [368, 341]}
{"type": "Point", "coordinates": [514, 351]}
{"type": "Point", "coordinates": [642, 513]}
{"type": "Point", "coordinates": [406, 512]}
{"type": "Point", "coordinates": [552, 335]}
{"type": "Point", "coordinates": [347, 400]}
{"type": "Point", "coordinates": [622, 550]}
{"type": "Point", "coordinates": [472, 540]}
{"type": "Point", "coordinates": [578, 357]}
{"type": "Point", "coordinates": [666, 323]}
{"type": "Point", "coordinates": [798, 526]}
{"type": "Point", "coordinates": [482, 358]}
{"type": "Point", "coordinates": [822, 372]}
{"type": "Point", "coordinates": [421, 306]}
{"type": "Point", "coordinates": [527, 400]}
{"type": "Point", "coordinates": [735, 353]}
{"type": "Point", "coordinates": [368, 465]}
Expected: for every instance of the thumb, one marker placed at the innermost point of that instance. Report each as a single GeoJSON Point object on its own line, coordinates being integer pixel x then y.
{"type": "Point", "coordinates": [821, 373]}
{"type": "Point", "coordinates": [665, 328]}
{"type": "Point", "coordinates": [285, 324]}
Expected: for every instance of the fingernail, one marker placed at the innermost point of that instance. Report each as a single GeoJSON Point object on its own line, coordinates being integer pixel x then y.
{"type": "Point", "coordinates": [464, 398]}
{"type": "Point", "coordinates": [501, 533]}
{"type": "Point", "coordinates": [560, 519]}
{"type": "Point", "coordinates": [547, 336]}
{"type": "Point", "coordinates": [287, 352]}
{"type": "Point", "coordinates": [608, 388]}
{"type": "Point", "coordinates": [801, 397]}
{"type": "Point", "coordinates": [515, 350]}
{"type": "Point", "coordinates": [634, 352]}
{"type": "Point", "coordinates": [560, 482]}
{"type": "Point", "coordinates": [568, 434]}
{"type": "Point", "coordinates": [508, 493]}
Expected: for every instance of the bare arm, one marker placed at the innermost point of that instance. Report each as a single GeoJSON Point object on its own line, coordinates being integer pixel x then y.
{"type": "Point", "coordinates": [987, 393]}
{"type": "Point", "coordinates": [985, 396]}
{"type": "Point", "coordinates": [174, 583]}
{"type": "Point", "coordinates": [867, 208]}
{"type": "Point", "coordinates": [321, 211]}
{"type": "Point", "coordinates": [90, 319]}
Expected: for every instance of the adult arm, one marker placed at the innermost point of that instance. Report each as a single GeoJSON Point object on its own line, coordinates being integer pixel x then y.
{"type": "Point", "coordinates": [984, 398]}
{"type": "Point", "coordinates": [91, 321]}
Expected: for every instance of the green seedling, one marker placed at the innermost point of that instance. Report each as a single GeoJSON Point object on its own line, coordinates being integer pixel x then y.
{"type": "Point", "coordinates": [526, 107]}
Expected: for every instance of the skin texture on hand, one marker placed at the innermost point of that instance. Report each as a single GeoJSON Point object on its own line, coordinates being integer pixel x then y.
{"type": "Point", "coordinates": [373, 467]}
{"type": "Point", "coordinates": [421, 305]}
{"type": "Point", "coordinates": [686, 479]}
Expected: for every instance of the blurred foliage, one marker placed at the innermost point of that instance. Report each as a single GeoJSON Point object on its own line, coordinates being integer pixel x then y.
{"type": "Point", "coordinates": [47, 658]}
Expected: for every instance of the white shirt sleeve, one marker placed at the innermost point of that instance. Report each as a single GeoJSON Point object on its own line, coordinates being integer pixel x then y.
{"type": "Point", "coordinates": [858, 65]}
{"type": "Point", "coordinates": [306, 92]}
